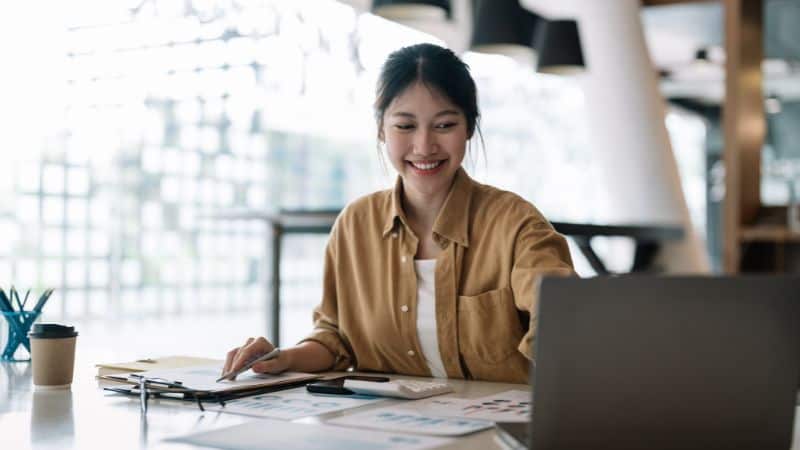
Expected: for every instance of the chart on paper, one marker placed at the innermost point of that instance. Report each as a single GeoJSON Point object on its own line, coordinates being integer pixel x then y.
{"type": "Point", "coordinates": [292, 404]}
{"type": "Point", "coordinates": [407, 421]}
{"type": "Point", "coordinates": [508, 406]}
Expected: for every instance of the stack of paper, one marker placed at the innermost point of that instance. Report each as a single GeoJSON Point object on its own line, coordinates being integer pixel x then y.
{"type": "Point", "coordinates": [143, 365]}
{"type": "Point", "coordinates": [203, 378]}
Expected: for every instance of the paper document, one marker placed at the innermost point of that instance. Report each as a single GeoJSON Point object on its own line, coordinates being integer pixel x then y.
{"type": "Point", "coordinates": [508, 406]}
{"type": "Point", "coordinates": [166, 362]}
{"type": "Point", "coordinates": [292, 404]}
{"type": "Point", "coordinates": [408, 421]}
{"type": "Point", "coordinates": [203, 378]}
{"type": "Point", "coordinates": [266, 434]}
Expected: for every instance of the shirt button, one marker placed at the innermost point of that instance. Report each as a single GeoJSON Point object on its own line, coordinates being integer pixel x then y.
{"type": "Point", "coordinates": [404, 308]}
{"type": "Point", "coordinates": [411, 353]}
{"type": "Point", "coordinates": [403, 258]}
{"type": "Point", "coordinates": [394, 235]}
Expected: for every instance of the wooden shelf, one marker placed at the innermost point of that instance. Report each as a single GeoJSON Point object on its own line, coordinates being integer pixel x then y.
{"type": "Point", "coordinates": [768, 233]}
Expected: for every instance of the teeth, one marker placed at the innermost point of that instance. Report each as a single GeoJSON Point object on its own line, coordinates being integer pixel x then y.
{"type": "Point", "coordinates": [426, 166]}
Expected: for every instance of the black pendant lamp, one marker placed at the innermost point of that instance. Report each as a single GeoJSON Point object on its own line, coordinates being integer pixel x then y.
{"type": "Point", "coordinates": [506, 28]}
{"type": "Point", "coordinates": [559, 45]}
{"type": "Point", "coordinates": [412, 9]}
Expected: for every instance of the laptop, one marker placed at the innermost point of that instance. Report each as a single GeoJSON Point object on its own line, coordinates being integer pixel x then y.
{"type": "Point", "coordinates": [646, 362]}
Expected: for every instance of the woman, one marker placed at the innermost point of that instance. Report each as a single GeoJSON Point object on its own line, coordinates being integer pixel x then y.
{"type": "Point", "coordinates": [435, 277]}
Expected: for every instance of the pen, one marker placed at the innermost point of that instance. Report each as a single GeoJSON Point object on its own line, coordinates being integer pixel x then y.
{"type": "Point", "coordinates": [143, 394]}
{"type": "Point", "coordinates": [4, 303]}
{"type": "Point", "coordinates": [15, 294]}
{"type": "Point", "coordinates": [265, 357]}
{"type": "Point", "coordinates": [25, 302]}
{"type": "Point", "coordinates": [42, 300]}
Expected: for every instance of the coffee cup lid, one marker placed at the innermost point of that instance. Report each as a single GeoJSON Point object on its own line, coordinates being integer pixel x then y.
{"type": "Point", "coordinates": [52, 331]}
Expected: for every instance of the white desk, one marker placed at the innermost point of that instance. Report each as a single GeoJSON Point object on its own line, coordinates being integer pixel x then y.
{"type": "Point", "coordinates": [86, 417]}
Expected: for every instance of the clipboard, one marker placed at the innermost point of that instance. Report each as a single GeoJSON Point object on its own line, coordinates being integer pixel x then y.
{"type": "Point", "coordinates": [200, 397]}
{"type": "Point", "coordinates": [200, 380]}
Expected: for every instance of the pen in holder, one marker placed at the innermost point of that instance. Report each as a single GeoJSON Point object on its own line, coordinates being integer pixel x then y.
{"type": "Point", "coordinates": [19, 322]}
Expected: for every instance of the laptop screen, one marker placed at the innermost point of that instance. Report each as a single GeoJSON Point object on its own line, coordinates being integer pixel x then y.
{"type": "Point", "coordinates": [666, 362]}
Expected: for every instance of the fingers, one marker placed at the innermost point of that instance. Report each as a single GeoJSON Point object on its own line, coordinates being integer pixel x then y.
{"type": "Point", "coordinates": [230, 357]}
{"type": "Point", "coordinates": [274, 366]}
{"type": "Point", "coordinates": [253, 348]}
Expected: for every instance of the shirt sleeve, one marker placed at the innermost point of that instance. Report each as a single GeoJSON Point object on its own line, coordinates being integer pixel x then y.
{"type": "Point", "coordinates": [326, 315]}
{"type": "Point", "coordinates": [538, 251]}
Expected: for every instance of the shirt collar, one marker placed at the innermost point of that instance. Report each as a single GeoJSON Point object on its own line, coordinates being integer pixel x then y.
{"type": "Point", "coordinates": [453, 220]}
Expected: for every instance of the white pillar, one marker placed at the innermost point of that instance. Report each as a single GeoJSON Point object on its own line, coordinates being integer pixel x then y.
{"type": "Point", "coordinates": [626, 118]}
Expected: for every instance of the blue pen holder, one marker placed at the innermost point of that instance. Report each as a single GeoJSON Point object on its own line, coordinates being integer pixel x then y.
{"type": "Point", "coordinates": [19, 323]}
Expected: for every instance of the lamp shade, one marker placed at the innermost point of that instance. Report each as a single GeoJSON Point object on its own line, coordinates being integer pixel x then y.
{"type": "Point", "coordinates": [504, 27]}
{"type": "Point", "coordinates": [412, 9]}
{"type": "Point", "coordinates": [559, 45]}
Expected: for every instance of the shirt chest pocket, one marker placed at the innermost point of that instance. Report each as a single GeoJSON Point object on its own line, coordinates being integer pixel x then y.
{"type": "Point", "coordinates": [488, 326]}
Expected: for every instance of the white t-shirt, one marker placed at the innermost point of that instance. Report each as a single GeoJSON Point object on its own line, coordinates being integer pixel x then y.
{"type": "Point", "coordinates": [426, 316]}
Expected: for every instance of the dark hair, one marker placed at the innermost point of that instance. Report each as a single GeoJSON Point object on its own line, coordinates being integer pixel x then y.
{"type": "Point", "coordinates": [434, 66]}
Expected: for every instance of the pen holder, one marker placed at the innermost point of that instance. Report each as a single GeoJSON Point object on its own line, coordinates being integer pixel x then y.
{"type": "Point", "coordinates": [19, 323]}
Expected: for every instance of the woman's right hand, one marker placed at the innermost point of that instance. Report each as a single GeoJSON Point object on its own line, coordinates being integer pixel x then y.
{"type": "Point", "coordinates": [253, 348]}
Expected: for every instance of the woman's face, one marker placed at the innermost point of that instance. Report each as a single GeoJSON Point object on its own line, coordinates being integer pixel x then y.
{"type": "Point", "coordinates": [426, 136]}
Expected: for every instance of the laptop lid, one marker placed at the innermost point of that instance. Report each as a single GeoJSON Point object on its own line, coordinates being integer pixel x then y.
{"type": "Point", "coordinates": [666, 363]}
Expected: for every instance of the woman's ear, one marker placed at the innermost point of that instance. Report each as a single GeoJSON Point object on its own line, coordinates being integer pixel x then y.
{"type": "Point", "coordinates": [381, 136]}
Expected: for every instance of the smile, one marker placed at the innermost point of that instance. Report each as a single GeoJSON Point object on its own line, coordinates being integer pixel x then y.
{"type": "Point", "coordinates": [426, 165]}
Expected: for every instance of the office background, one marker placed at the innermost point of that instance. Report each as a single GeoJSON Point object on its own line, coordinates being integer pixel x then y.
{"type": "Point", "coordinates": [143, 123]}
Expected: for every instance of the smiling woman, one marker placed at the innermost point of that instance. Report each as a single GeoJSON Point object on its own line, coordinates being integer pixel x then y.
{"type": "Point", "coordinates": [425, 136]}
{"type": "Point", "coordinates": [427, 110]}
{"type": "Point", "coordinates": [437, 276]}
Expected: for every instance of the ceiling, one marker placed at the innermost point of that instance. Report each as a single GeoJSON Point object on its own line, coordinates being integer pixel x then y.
{"type": "Point", "coordinates": [675, 30]}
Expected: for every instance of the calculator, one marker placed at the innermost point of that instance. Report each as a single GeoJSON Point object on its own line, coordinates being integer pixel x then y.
{"type": "Point", "coordinates": [407, 389]}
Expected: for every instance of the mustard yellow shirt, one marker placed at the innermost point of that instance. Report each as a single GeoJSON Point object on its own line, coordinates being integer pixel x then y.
{"type": "Point", "coordinates": [495, 246]}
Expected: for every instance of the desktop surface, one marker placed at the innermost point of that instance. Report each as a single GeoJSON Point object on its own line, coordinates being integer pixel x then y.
{"type": "Point", "coordinates": [86, 417]}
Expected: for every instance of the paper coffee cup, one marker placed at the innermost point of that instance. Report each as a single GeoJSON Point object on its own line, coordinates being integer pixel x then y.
{"type": "Point", "coordinates": [52, 354]}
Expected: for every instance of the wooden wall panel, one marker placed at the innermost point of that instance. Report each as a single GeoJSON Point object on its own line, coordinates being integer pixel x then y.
{"type": "Point", "coordinates": [743, 122]}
